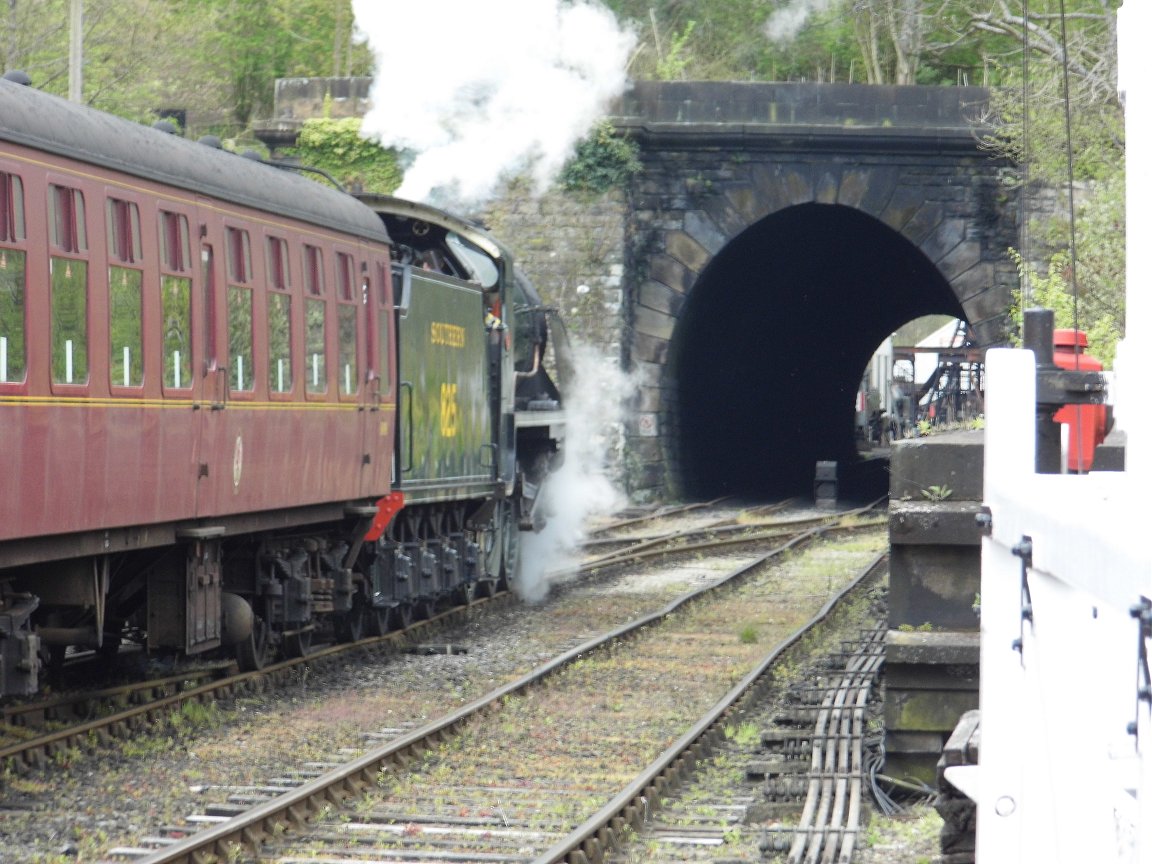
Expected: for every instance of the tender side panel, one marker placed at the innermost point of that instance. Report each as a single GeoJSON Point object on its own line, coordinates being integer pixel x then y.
{"type": "Point", "coordinates": [444, 408]}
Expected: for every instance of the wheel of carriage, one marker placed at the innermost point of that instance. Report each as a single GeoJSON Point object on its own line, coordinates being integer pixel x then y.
{"type": "Point", "coordinates": [252, 652]}
{"type": "Point", "coordinates": [297, 643]}
{"type": "Point", "coordinates": [53, 658]}
{"type": "Point", "coordinates": [376, 621]}
{"type": "Point", "coordinates": [350, 625]}
{"type": "Point", "coordinates": [110, 644]}
{"type": "Point", "coordinates": [401, 617]}
{"type": "Point", "coordinates": [464, 594]}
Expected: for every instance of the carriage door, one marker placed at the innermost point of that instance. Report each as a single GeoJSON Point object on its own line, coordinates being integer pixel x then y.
{"type": "Point", "coordinates": [212, 377]}
{"type": "Point", "coordinates": [184, 594]}
{"type": "Point", "coordinates": [380, 427]}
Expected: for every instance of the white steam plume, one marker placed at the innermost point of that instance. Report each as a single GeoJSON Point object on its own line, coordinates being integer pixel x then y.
{"type": "Point", "coordinates": [783, 24]}
{"type": "Point", "coordinates": [594, 409]}
{"type": "Point", "coordinates": [481, 90]}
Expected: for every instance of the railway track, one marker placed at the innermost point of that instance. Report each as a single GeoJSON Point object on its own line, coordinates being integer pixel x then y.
{"type": "Point", "coordinates": [650, 517]}
{"type": "Point", "coordinates": [746, 527]}
{"type": "Point", "coordinates": [787, 781]}
{"type": "Point", "coordinates": [35, 733]}
{"type": "Point", "coordinates": [549, 750]}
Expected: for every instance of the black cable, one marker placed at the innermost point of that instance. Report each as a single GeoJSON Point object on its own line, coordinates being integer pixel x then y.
{"type": "Point", "coordinates": [1025, 141]}
{"type": "Point", "coordinates": [1071, 179]}
{"type": "Point", "coordinates": [1078, 413]}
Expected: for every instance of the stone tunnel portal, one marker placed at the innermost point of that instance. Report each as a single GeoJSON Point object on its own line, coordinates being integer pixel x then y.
{"type": "Point", "coordinates": [772, 342]}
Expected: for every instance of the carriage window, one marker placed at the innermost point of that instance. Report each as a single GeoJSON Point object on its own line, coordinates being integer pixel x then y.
{"type": "Point", "coordinates": [346, 321]}
{"type": "Point", "coordinates": [313, 270]}
{"type": "Point", "coordinates": [315, 322]}
{"type": "Point", "coordinates": [176, 299]}
{"type": "Point", "coordinates": [346, 325]}
{"type": "Point", "coordinates": [68, 285]}
{"type": "Point", "coordinates": [240, 376]}
{"type": "Point", "coordinates": [384, 312]}
{"type": "Point", "coordinates": [176, 302]}
{"type": "Point", "coordinates": [125, 284]}
{"type": "Point", "coordinates": [12, 352]}
{"type": "Point", "coordinates": [279, 342]}
{"type": "Point", "coordinates": [278, 274]}
{"type": "Point", "coordinates": [316, 373]}
{"type": "Point", "coordinates": [66, 219]}
{"type": "Point", "coordinates": [344, 279]}
{"type": "Point", "coordinates": [125, 362]}
{"type": "Point", "coordinates": [175, 249]}
{"type": "Point", "coordinates": [239, 256]}
{"type": "Point", "coordinates": [11, 208]}
{"type": "Point", "coordinates": [123, 231]}
{"type": "Point", "coordinates": [208, 277]}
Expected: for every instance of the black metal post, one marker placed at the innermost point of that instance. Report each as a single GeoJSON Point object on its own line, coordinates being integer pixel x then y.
{"type": "Point", "coordinates": [1037, 338]}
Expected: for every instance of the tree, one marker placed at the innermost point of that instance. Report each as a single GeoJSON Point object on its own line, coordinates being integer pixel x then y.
{"type": "Point", "coordinates": [122, 38]}
{"type": "Point", "coordinates": [1038, 140]}
{"type": "Point", "coordinates": [217, 58]}
{"type": "Point", "coordinates": [336, 146]}
{"type": "Point", "coordinates": [891, 34]}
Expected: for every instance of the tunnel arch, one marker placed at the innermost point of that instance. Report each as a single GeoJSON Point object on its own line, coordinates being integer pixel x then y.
{"type": "Point", "coordinates": [772, 339]}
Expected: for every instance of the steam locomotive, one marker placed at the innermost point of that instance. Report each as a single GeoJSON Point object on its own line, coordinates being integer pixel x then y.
{"type": "Point", "coordinates": [241, 410]}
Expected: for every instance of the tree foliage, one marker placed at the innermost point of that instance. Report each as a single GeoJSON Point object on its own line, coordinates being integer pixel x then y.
{"type": "Point", "coordinates": [601, 161]}
{"type": "Point", "coordinates": [1060, 174]}
{"type": "Point", "coordinates": [254, 42]}
{"type": "Point", "coordinates": [874, 41]}
{"type": "Point", "coordinates": [336, 146]}
{"type": "Point", "coordinates": [216, 59]}
{"type": "Point", "coordinates": [124, 43]}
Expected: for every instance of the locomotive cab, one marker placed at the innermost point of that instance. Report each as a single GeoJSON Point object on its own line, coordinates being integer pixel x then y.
{"type": "Point", "coordinates": [436, 253]}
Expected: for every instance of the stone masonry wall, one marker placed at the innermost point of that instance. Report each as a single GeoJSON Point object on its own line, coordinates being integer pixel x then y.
{"type": "Point", "coordinates": [572, 249]}
{"type": "Point", "coordinates": [932, 650]}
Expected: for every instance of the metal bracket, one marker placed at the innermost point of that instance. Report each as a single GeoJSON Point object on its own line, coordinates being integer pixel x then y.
{"type": "Point", "coordinates": [1056, 387]}
{"type": "Point", "coordinates": [984, 520]}
{"type": "Point", "coordinates": [1023, 551]}
{"type": "Point", "coordinates": [1142, 612]}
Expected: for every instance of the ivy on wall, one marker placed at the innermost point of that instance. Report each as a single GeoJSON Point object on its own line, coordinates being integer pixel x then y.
{"type": "Point", "coordinates": [602, 161]}
{"type": "Point", "coordinates": [335, 146]}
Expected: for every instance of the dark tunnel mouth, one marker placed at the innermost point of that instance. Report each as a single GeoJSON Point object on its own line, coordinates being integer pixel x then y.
{"type": "Point", "coordinates": [772, 342]}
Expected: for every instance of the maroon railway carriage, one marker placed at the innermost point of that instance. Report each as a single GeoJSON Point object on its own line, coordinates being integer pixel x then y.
{"type": "Point", "coordinates": [194, 346]}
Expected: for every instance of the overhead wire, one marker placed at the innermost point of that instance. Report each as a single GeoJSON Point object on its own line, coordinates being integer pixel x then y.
{"type": "Point", "coordinates": [1025, 157]}
{"type": "Point", "coordinates": [1078, 412]}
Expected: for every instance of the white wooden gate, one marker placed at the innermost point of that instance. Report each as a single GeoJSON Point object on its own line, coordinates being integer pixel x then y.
{"type": "Point", "coordinates": [1066, 586]}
